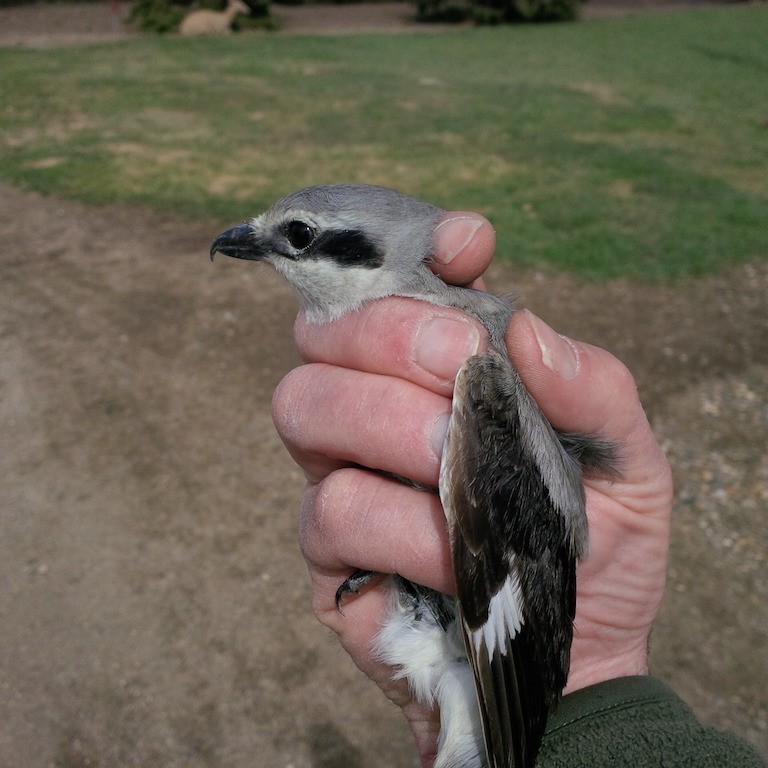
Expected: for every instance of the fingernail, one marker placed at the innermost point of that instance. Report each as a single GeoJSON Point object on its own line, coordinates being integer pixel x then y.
{"type": "Point", "coordinates": [455, 233]}
{"type": "Point", "coordinates": [443, 344]}
{"type": "Point", "coordinates": [557, 352]}
{"type": "Point", "coordinates": [439, 430]}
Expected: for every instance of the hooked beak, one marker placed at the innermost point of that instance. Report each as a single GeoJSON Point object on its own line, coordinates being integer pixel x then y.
{"type": "Point", "coordinates": [240, 243]}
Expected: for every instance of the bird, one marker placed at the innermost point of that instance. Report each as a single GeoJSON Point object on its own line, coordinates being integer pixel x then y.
{"type": "Point", "coordinates": [495, 657]}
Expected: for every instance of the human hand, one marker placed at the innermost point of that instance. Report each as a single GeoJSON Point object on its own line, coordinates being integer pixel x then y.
{"type": "Point", "coordinates": [375, 392]}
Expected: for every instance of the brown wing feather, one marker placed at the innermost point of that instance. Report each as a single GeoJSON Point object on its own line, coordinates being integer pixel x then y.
{"type": "Point", "coordinates": [512, 559]}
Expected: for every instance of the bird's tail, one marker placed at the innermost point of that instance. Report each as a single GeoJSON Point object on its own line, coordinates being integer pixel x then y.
{"type": "Point", "coordinates": [594, 454]}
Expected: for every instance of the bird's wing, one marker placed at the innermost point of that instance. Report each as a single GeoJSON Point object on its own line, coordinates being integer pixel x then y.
{"type": "Point", "coordinates": [509, 492]}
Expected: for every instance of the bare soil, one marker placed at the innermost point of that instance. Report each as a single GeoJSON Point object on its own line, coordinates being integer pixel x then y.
{"type": "Point", "coordinates": [155, 608]}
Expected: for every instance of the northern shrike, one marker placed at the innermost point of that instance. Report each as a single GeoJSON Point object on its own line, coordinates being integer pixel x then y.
{"type": "Point", "coordinates": [495, 658]}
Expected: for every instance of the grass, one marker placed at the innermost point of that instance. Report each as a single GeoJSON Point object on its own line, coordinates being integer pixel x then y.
{"type": "Point", "coordinates": [635, 146]}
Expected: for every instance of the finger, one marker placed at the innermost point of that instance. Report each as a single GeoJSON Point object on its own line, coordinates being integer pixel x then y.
{"type": "Point", "coordinates": [357, 519]}
{"type": "Point", "coordinates": [357, 629]}
{"type": "Point", "coordinates": [330, 417]}
{"type": "Point", "coordinates": [409, 339]}
{"type": "Point", "coordinates": [464, 245]}
{"type": "Point", "coordinates": [581, 388]}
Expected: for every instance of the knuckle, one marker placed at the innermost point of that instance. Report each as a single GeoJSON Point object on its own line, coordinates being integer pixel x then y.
{"type": "Point", "coordinates": [288, 402]}
{"type": "Point", "coordinates": [324, 517]}
{"type": "Point", "coordinates": [621, 378]}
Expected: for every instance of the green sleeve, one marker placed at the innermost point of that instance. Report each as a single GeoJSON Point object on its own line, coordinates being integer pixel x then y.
{"type": "Point", "coordinates": [636, 722]}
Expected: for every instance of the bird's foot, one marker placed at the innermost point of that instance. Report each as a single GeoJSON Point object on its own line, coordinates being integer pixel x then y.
{"type": "Point", "coordinates": [353, 584]}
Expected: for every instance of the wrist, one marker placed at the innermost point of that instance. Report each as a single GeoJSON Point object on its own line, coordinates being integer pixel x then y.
{"type": "Point", "coordinates": [586, 672]}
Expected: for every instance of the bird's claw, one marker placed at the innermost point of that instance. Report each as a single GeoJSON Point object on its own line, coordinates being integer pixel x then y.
{"type": "Point", "coordinates": [353, 584]}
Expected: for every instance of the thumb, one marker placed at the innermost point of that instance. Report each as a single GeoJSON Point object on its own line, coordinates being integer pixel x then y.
{"type": "Point", "coordinates": [582, 388]}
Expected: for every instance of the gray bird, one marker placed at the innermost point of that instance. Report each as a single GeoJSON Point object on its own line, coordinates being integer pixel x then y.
{"type": "Point", "coordinates": [495, 659]}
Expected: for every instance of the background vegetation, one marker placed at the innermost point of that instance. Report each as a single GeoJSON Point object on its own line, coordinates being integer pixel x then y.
{"type": "Point", "coordinates": [634, 146]}
{"type": "Point", "coordinates": [497, 11]}
{"type": "Point", "coordinates": [166, 15]}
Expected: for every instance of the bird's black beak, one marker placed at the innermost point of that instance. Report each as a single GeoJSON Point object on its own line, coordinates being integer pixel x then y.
{"type": "Point", "coordinates": [240, 243]}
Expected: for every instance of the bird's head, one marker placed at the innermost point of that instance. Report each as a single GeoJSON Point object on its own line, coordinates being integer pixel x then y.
{"type": "Point", "coordinates": [341, 245]}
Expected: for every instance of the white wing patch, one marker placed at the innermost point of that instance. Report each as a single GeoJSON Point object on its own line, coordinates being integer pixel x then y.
{"type": "Point", "coordinates": [505, 618]}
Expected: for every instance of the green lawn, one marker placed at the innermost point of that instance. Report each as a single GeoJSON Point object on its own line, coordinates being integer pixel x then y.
{"type": "Point", "coordinates": [634, 146]}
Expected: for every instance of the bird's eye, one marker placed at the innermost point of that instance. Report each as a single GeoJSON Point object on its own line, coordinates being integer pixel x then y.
{"type": "Point", "coordinates": [299, 234]}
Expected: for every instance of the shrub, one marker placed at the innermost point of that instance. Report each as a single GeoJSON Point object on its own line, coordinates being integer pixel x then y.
{"type": "Point", "coordinates": [541, 10]}
{"type": "Point", "coordinates": [156, 15]}
{"type": "Point", "coordinates": [165, 15]}
{"type": "Point", "coordinates": [446, 11]}
{"type": "Point", "coordinates": [259, 18]}
{"type": "Point", "coordinates": [497, 11]}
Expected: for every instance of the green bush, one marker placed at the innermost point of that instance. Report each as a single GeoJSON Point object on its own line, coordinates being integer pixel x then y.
{"type": "Point", "coordinates": [540, 10]}
{"type": "Point", "coordinates": [156, 15]}
{"type": "Point", "coordinates": [497, 11]}
{"type": "Point", "coordinates": [446, 11]}
{"type": "Point", "coordinates": [259, 18]}
{"type": "Point", "coordinates": [165, 15]}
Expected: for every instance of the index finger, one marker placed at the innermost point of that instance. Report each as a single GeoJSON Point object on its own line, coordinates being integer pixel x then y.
{"type": "Point", "coordinates": [423, 343]}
